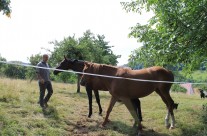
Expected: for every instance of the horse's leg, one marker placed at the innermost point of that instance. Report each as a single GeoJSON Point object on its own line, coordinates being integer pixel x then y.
{"type": "Point", "coordinates": [78, 84]}
{"type": "Point", "coordinates": [137, 107]}
{"type": "Point", "coordinates": [170, 103]}
{"type": "Point", "coordinates": [133, 112]}
{"type": "Point", "coordinates": [170, 109]}
{"type": "Point", "coordinates": [98, 100]}
{"type": "Point", "coordinates": [167, 117]}
{"type": "Point", "coordinates": [110, 107]}
{"type": "Point", "coordinates": [89, 93]}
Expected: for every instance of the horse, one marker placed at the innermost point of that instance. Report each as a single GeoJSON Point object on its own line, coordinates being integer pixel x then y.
{"type": "Point", "coordinates": [126, 89]}
{"type": "Point", "coordinates": [78, 66]}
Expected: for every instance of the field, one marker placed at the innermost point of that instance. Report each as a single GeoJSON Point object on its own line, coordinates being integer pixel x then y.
{"type": "Point", "coordinates": [67, 113]}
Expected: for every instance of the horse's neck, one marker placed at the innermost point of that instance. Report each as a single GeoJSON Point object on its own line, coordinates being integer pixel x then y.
{"type": "Point", "coordinates": [78, 66]}
{"type": "Point", "coordinates": [101, 69]}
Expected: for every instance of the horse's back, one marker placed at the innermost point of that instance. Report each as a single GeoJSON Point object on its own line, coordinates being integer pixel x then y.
{"type": "Point", "coordinates": [140, 88]}
{"type": "Point", "coordinates": [151, 73]}
{"type": "Point", "coordinates": [162, 73]}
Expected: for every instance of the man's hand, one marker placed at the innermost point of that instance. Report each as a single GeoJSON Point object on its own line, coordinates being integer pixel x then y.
{"type": "Point", "coordinates": [42, 81]}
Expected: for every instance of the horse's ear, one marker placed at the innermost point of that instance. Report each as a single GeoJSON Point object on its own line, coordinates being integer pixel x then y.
{"type": "Point", "coordinates": [65, 57]}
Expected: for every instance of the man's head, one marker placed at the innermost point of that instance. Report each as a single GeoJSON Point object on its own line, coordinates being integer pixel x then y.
{"type": "Point", "coordinates": [45, 58]}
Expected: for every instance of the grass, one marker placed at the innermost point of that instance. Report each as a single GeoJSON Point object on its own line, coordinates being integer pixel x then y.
{"type": "Point", "coordinates": [67, 113]}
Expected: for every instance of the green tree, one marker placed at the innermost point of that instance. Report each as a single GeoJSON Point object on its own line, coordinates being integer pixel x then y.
{"type": "Point", "coordinates": [87, 47]}
{"type": "Point", "coordinates": [34, 60]}
{"type": "Point", "coordinates": [2, 66]}
{"type": "Point", "coordinates": [176, 34]}
{"type": "Point", "coordinates": [5, 7]}
{"type": "Point", "coordinates": [15, 71]}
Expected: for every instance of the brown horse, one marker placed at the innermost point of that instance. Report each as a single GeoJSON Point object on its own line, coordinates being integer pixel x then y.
{"type": "Point", "coordinates": [78, 66]}
{"type": "Point", "coordinates": [126, 89]}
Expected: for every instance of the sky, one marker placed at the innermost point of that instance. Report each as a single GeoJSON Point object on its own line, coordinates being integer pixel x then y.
{"type": "Point", "coordinates": [35, 23]}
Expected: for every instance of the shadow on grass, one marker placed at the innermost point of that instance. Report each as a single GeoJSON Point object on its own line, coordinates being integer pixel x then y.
{"type": "Point", "coordinates": [51, 112]}
{"type": "Point", "coordinates": [195, 129]}
{"type": "Point", "coordinates": [117, 126]}
{"type": "Point", "coordinates": [189, 130]}
{"type": "Point", "coordinates": [130, 130]}
{"type": "Point", "coordinates": [84, 95]}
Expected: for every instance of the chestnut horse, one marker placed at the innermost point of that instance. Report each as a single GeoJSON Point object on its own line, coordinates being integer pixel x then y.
{"type": "Point", "coordinates": [78, 66]}
{"type": "Point", "coordinates": [126, 89]}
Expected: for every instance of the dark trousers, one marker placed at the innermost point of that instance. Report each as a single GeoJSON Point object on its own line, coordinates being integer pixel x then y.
{"type": "Point", "coordinates": [47, 85]}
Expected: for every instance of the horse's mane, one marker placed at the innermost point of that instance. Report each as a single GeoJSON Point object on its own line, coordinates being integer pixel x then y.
{"type": "Point", "coordinates": [102, 67]}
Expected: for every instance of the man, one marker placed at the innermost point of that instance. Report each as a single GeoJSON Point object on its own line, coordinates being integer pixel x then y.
{"type": "Point", "coordinates": [44, 81]}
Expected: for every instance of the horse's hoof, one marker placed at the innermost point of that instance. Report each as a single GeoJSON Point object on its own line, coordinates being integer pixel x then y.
{"type": "Point", "coordinates": [172, 127]}
{"type": "Point", "coordinates": [140, 133]}
{"type": "Point", "coordinates": [100, 114]}
{"type": "Point", "coordinates": [167, 126]}
{"type": "Point", "coordinates": [103, 124]}
{"type": "Point", "coordinates": [89, 116]}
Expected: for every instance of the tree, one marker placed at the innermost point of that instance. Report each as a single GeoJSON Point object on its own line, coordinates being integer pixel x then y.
{"type": "Point", "coordinates": [2, 66]}
{"type": "Point", "coordinates": [5, 7]}
{"type": "Point", "coordinates": [34, 60]}
{"type": "Point", "coordinates": [88, 47]}
{"type": "Point", "coordinates": [176, 34]}
{"type": "Point", "coordinates": [15, 71]}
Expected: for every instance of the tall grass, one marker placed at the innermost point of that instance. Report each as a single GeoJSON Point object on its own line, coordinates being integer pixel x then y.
{"type": "Point", "coordinates": [67, 113]}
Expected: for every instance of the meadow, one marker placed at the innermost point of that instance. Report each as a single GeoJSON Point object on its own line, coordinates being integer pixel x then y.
{"type": "Point", "coordinates": [67, 113]}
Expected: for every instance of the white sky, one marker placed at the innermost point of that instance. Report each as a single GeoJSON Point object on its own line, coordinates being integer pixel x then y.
{"type": "Point", "coordinates": [34, 23]}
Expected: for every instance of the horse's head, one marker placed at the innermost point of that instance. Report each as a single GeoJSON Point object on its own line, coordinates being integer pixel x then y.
{"type": "Point", "coordinates": [65, 64]}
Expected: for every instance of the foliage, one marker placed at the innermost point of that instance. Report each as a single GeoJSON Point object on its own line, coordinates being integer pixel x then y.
{"type": "Point", "coordinates": [34, 60]}
{"type": "Point", "coordinates": [14, 71]}
{"type": "Point", "coordinates": [176, 34]}
{"type": "Point", "coordinates": [179, 77]}
{"type": "Point", "coordinates": [2, 66]}
{"type": "Point", "coordinates": [5, 7]}
{"type": "Point", "coordinates": [88, 47]}
{"type": "Point", "coordinates": [64, 77]}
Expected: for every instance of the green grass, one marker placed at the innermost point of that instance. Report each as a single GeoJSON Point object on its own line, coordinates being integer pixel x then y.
{"type": "Point", "coordinates": [67, 113]}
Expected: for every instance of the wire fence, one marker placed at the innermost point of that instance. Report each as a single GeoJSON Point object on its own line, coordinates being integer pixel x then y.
{"type": "Point", "coordinates": [98, 75]}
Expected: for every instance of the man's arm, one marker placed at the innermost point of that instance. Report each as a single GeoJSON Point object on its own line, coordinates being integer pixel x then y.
{"type": "Point", "coordinates": [39, 76]}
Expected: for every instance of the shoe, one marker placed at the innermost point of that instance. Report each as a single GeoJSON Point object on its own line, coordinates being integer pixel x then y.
{"type": "Point", "coordinates": [43, 107]}
{"type": "Point", "coordinates": [46, 105]}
